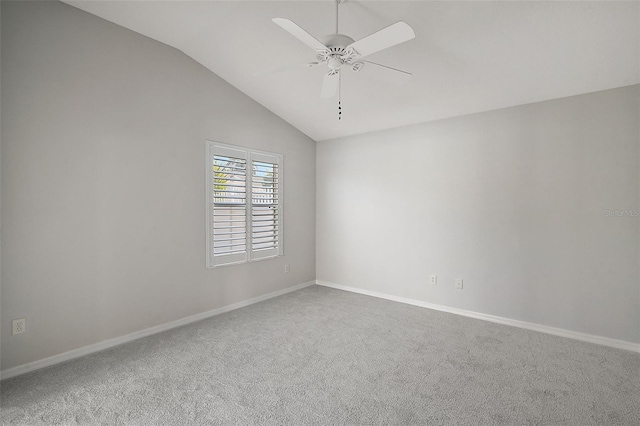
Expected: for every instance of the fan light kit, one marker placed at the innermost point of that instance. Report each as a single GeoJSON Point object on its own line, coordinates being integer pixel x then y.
{"type": "Point", "coordinates": [339, 51]}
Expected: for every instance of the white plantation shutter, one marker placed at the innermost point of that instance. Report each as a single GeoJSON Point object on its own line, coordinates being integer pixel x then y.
{"type": "Point", "coordinates": [265, 206]}
{"type": "Point", "coordinates": [244, 205]}
{"type": "Point", "coordinates": [227, 186]}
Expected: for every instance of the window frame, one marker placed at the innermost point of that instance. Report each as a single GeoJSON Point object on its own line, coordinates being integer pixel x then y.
{"type": "Point", "coordinates": [249, 155]}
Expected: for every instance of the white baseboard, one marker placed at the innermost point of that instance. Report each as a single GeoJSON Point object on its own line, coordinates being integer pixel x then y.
{"type": "Point", "coordinates": [96, 347]}
{"type": "Point", "coordinates": [606, 341]}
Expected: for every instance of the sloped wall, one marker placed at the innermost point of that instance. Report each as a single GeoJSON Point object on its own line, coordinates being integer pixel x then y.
{"type": "Point", "coordinates": [103, 198]}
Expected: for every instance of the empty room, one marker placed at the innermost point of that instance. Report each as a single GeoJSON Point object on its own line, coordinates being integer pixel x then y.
{"type": "Point", "coordinates": [320, 212]}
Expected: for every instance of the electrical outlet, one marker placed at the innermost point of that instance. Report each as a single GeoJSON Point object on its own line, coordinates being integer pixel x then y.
{"type": "Point", "coordinates": [19, 326]}
{"type": "Point", "coordinates": [433, 279]}
{"type": "Point", "coordinates": [459, 283]}
{"type": "Point", "coordinates": [287, 269]}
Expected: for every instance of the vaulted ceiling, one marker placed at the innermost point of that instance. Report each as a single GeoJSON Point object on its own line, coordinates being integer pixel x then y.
{"type": "Point", "coordinates": [466, 57]}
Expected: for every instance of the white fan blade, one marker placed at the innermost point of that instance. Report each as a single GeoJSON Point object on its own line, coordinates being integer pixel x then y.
{"type": "Point", "coordinates": [330, 85]}
{"type": "Point", "coordinates": [385, 73]}
{"type": "Point", "coordinates": [386, 37]}
{"type": "Point", "coordinates": [287, 68]}
{"type": "Point", "coordinates": [293, 29]}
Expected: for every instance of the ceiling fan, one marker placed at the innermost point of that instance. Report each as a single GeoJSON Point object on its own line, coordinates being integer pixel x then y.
{"type": "Point", "coordinates": [339, 51]}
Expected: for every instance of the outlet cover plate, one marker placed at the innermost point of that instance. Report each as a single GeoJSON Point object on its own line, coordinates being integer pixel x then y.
{"type": "Point", "coordinates": [18, 326]}
{"type": "Point", "coordinates": [459, 283]}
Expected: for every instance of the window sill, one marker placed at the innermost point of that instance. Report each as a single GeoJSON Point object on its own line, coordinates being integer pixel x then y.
{"type": "Point", "coordinates": [245, 261]}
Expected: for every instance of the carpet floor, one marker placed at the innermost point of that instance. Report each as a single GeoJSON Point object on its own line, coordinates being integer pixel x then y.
{"type": "Point", "coordinates": [322, 356]}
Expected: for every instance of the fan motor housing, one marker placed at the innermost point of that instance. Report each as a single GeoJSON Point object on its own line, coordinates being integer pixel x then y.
{"type": "Point", "coordinates": [337, 41]}
{"type": "Point", "coordinates": [337, 52]}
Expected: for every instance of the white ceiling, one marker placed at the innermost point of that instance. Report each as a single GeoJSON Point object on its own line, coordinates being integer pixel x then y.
{"type": "Point", "coordinates": [467, 56]}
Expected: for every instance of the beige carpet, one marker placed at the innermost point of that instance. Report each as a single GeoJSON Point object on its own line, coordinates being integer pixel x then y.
{"type": "Point", "coordinates": [321, 356]}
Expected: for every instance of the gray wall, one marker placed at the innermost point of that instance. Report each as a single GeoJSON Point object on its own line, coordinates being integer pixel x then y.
{"type": "Point", "coordinates": [513, 201]}
{"type": "Point", "coordinates": [103, 197]}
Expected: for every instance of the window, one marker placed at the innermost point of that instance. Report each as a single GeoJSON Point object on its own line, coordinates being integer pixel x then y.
{"type": "Point", "coordinates": [244, 205]}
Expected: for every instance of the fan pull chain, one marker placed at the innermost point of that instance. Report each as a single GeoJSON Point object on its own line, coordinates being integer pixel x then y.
{"type": "Point", "coordinates": [339, 96]}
